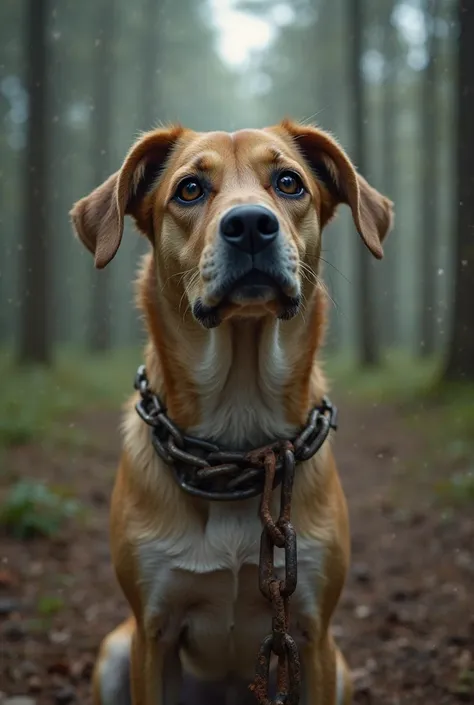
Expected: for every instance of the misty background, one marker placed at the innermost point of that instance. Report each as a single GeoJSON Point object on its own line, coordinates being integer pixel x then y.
{"type": "Point", "coordinates": [79, 81]}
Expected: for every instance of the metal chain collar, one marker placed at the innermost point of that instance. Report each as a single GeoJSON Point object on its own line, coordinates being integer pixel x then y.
{"type": "Point", "coordinates": [228, 475]}
{"type": "Point", "coordinates": [202, 469]}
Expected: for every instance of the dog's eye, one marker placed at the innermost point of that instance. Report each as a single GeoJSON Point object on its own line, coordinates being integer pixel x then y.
{"type": "Point", "coordinates": [189, 190]}
{"type": "Point", "coordinates": [289, 184]}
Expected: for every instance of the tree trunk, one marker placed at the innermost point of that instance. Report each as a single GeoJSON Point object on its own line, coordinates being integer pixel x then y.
{"type": "Point", "coordinates": [460, 361]}
{"type": "Point", "coordinates": [100, 327]}
{"type": "Point", "coordinates": [151, 50]}
{"type": "Point", "coordinates": [367, 344]}
{"type": "Point", "coordinates": [429, 199]}
{"type": "Point", "coordinates": [389, 267]}
{"type": "Point", "coordinates": [35, 343]}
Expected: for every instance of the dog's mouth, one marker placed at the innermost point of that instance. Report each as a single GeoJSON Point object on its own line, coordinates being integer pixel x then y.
{"type": "Point", "coordinates": [253, 286]}
{"type": "Point", "coordinates": [252, 291]}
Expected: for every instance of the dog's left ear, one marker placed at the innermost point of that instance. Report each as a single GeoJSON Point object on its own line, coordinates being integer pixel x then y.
{"type": "Point", "coordinates": [372, 213]}
{"type": "Point", "coordinates": [98, 218]}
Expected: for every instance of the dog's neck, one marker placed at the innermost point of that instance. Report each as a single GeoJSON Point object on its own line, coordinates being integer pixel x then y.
{"type": "Point", "coordinates": [240, 372]}
{"type": "Point", "coordinates": [242, 384]}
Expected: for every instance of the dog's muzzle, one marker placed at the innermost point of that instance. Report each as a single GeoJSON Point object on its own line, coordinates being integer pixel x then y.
{"type": "Point", "coordinates": [254, 266]}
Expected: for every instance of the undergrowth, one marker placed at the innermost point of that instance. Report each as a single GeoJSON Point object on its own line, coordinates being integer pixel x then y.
{"type": "Point", "coordinates": [35, 401]}
{"type": "Point", "coordinates": [443, 413]}
{"type": "Point", "coordinates": [32, 509]}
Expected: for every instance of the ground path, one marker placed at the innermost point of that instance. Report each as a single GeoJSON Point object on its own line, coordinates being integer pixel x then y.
{"type": "Point", "coordinates": [405, 622]}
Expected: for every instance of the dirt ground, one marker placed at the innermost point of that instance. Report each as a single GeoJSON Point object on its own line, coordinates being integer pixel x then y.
{"type": "Point", "coordinates": [405, 621]}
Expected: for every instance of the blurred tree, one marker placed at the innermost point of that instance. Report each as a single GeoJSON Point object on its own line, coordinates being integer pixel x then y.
{"type": "Point", "coordinates": [460, 360]}
{"type": "Point", "coordinates": [286, 64]}
{"type": "Point", "coordinates": [12, 135]}
{"type": "Point", "coordinates": [429, 181]}
{"type": "Point", "coordinates": [35, 340]}
{"type": "Point", "coordinates": [389, 119]}
{"type": "Point", "coordinates": [151, 50]}
{"type": "Point", "coordinates": [199, 89]}
{"type": "Point", "coordinates": [100, 325]}
{"type": "Point", "coordinates": [368, 351]}
{"type": "Point", "coordinates": [71, 66]}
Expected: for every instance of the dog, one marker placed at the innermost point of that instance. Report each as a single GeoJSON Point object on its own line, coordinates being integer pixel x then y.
{"type": "Point", "coordinates": [235, 313]}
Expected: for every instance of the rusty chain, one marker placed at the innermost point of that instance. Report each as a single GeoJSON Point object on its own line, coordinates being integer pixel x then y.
{"type": "Point", "coordinates": [230, 475]}
{"type": "Point", "coordinates": [278, 533]}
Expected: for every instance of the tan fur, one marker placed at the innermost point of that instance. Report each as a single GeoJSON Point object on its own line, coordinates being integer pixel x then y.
{"type": "Point", "coordinates": [183, 563]}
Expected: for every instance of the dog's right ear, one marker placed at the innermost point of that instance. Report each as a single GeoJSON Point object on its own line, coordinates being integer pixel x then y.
{"type": "Point", "coordinates": [98, 218]}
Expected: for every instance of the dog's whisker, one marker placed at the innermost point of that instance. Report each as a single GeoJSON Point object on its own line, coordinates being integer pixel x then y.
{"type": "Point", "coordinates": [324, 288]}
{"type": "Point", "coordinates": [177, 274]}
{"type": "Point", "coordinates": [190, 284]}
{"type": "Point", "coordinates": [310, 118]}
{"type": "Point", "coordinates": [309, 274]}
{"type": "Point", "coordinates": [182, 275]}
{"type": "Point", "coordinates": [330, 264]}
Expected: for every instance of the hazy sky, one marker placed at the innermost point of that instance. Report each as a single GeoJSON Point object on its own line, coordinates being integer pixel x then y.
{"type": "Point", "coordinates": [242, 33]}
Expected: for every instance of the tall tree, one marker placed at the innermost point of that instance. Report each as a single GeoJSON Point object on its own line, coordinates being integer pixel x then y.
{"type": "Point", "coordinates": [99, 325]}
{"type": "Point", "coordinates": [460, 360]}
{"type": "Point", "coordinates": [151, 51]}
{"type": "Point", "coordinates": [35, 343]}
{"type": "Point", "coordinates": [389, 122]}
{"type": "Point", "coordinates": [367, 345]}
{"type": "Point", "coordinates": [429, 241]}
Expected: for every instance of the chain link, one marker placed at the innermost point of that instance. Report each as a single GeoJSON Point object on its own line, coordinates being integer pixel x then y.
{"type": "Point", "coordinates": [281, 534]}
{"type": "Point", "coordinates": [229, 475]}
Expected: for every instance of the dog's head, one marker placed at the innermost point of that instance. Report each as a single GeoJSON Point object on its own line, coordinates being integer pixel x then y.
{"type": "Point", "coordinates": [235, 220]}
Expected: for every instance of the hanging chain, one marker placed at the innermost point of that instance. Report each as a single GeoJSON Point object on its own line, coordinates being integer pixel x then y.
{"type": "Point", "coordinates": [281, 534]}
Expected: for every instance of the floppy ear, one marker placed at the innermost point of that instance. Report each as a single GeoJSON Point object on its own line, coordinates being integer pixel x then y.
{"type": "Point", "coordinates": [98, 218]}
{"type": "Point", "coordinates": [372, 213]}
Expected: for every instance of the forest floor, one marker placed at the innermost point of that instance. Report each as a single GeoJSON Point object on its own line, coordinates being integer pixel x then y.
{"type": "Point", "coordinates": [406, 618]}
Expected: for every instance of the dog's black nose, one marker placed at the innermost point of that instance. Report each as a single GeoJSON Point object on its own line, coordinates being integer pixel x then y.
{"type": "Point", "coordinates": [250, 228]}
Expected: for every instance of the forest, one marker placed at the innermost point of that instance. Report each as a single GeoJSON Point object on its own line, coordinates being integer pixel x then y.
{"type": "Point", "coordinates": [393, 82]}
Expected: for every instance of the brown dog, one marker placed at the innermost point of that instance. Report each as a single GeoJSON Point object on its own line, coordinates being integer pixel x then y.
{"type": "Point", "coordinates": [235, 314]}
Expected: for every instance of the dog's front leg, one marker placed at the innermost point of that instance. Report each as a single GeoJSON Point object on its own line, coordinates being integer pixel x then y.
{"type": "Point", "coordinates": [326, 678]}
{"type": "Point", "coordinates": [155, 671]}
{"type": "Point", "coordinates": [146, 668]}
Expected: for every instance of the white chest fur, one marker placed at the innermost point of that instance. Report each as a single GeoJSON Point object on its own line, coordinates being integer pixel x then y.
{"type": "Point", "coordinates": [206, 582]}
{"type": "Point", "coordinates": [241, 381]}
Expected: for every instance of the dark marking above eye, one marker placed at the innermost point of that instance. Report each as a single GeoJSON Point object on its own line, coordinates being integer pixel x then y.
{"type": "Point", "coordinates": [201, 164]}
{"type": "Point", "coordinates": [206, 162]}
{"type": "Point", "coordinates": [276, 155]}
